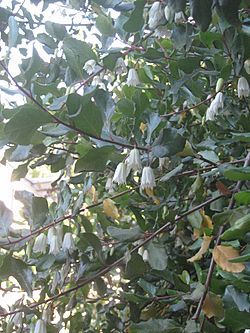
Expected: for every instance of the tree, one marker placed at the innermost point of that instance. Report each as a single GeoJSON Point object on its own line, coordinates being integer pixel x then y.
{"type": "Point", "coordinates": [141, 109]}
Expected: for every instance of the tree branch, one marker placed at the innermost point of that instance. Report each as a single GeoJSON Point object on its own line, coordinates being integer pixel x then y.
{"type": "Point", "coordinates": [217, 242]}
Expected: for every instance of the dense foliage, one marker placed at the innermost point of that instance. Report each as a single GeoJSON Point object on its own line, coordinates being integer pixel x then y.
{"type": "Point", "coordinates": [140, 109]}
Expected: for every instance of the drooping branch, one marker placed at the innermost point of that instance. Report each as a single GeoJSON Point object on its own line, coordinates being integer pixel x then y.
{"type": "Point", "coordinates": [71, 216]}
{"type": "Point", "coordinates": [59, 121]}
{"type": "Point", "coordinates": [167, 226]}
{"type": "Point", "coordinates": [217, 242]}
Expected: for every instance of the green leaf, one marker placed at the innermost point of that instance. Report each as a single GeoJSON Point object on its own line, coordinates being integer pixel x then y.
{"type": "Point", "coordinates": [46, 40]}
{"type": "Point", "coordinates": [234, 173]}
{"type": "Point", "coordinates": [195, 219]}
{"type": "Point", "coordinates": [156, 326]}
{"type": "Point", "coordinates": [135, 267]}
{"type": "Point", "coordinates": [85, 114]}
{"type": "Point", "coordinates": [21, 127]}
{"type": "Point", "coordinates": [21, 153]}
{"type": "Point", "coordinates": [242, 197]}
{"type": "Point", "coordinates": [136, 20]}
{"type": "Point", "coordinates": [236, 320]}
{"type": "Point", "coordinates": [238, 230]}
{"type": "Point", "coordinates": [6, 218]}
{"type": "Point", "coordinates": [13, 32]}
{"type": "Point", "coordinates": [20, 172]}
{"type": "Point", "coordinates": [96, 159]}
{"type": "Point", "coordinates": [168, 143]}
{"type": "Point", "coordinates": [56, 30]}
{"type": "Point", "coordinates": [93, 241]}
{"type": "Point", "coordinates": [104, 25]}
{"type": "Point", "coordinates": [39, 211]}
{"type": "Point", "coordinates": [19, 270]}
{"type": "Point", "coordinates": [77, 53]}
{"type": "Point", "coordinates": [244, 137]}
{"type": "Point", "coordinates": [189, 64]}
{"type": "Point", "coordinates": [148, 287]}
{"type": "Point", "coordinates": [126, 106]}
{"type": "Point", "coordinates": [157, 256]}
{"type": "Point", "coordinates": [234, 298]}
{"type": "Point", "coordinates": [124, 234]}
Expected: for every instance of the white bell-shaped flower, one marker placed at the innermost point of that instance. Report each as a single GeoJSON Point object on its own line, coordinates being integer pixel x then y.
{"type": "Point", "coordinates": [147, 178]}
{"type": "Point", "coordinates": [155, 15]}
{"type": "Point", "coordinates": [247, 69]}
{"type": "Point", "coordinates": [89, 66]}
{"type": "Point", "coordinates": [145, 255]}
{"type": "Point", "coordinates": [243, 87]}
{"type": "Point", "coordinates": [169, 13]}
{"type": "Point", "coordinates": [68, 244]}
{"type": "Point", "coordinates": [40, 244]}
{"type": "Point", "coordinates": [55, 245]}
{"type": "Point", "coordinates": [214, 107]}
{"type": "Point", "coordinates": [109, 186]}
{"type": "Point", "coordinates": [40, 327]}
{"type": "Point", "coordinates": [179, 18]}
{"type": "Point", "coordinates": [120, 174]}
{"type": "Point", "coordinates": [133, 79]}
{"type": "Point", "coordinates": [133, 161]}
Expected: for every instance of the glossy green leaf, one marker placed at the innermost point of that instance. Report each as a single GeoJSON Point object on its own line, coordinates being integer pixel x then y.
{"type": "Point", "coordinates": [238, 230]}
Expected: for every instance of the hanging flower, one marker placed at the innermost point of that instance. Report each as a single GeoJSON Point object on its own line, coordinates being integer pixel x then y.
{"type": "Point", "coordinates": [120, 66]}
{"type": "Point", "coordinates": [133, 161]}
{"type": "Point", "coordinates": [40, 327]}
{"type": "Point", "coordinates": [145, 255]}
{"type": "Point", "coordinates": [55, 245]}
{"type": "Point", "coordinates": [147, 178]}
{"type": "Point", "coordinates": [164, 163]}
{"type": "Point", "coordinates": [68, 244]}
{"type": "Point", "coordinates": [179, 18]}
{"type": "Point", "coordinates": [247, 69]}
{"type": "Point", "coordinates": [89, 66]}
{"type": "Point", "coordinates": [109, 186]}
{"type": "Point", "coordinates": [120, 174]}
{"type": "Point", "coordinates": [243, 87]}
{"type": "Point", "coordinates": [169, 13]}
{"type": "Point", "coordinates": [214, 107]}
{"type": "Point", "coordinates": [40, 244]}
{"type": "Point", "coordinates": [133, 79]}
{"type": "Point", "coordinates": [155, 15]}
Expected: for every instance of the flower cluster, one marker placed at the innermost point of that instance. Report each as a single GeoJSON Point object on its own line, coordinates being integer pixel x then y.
{"type": "Point", "coordinates": [133, 162]}
{"type": "Point", "coordinates": [55, 240]}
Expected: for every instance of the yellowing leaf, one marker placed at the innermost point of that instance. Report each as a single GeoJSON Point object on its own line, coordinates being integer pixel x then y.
{"type": "Point", "coordinates": [222, 255]}
{"type": "Point", "coordinates": [110, 209]}
{"type": "Point", "coordinates": [150, 193]}
{"type": "Point", "coordinates": [143, 127]}
{"type": "Point", "coordinates": [213, 306]}
{"type": "Point", "coordinates": [187, 151]}
{"type": "Point", "coordinates": [207, 222]}
{"type": "Point", "coordinates": [204, 247]}
{"type": "Point", "coordinates": [92, 191]}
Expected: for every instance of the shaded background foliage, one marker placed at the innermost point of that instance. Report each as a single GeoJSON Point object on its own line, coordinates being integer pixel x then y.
{"type": "Point", "coordinates": [129, 271]}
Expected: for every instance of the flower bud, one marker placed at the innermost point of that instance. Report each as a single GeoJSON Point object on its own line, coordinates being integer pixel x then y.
{"type": "Point", "coordinates": [247, 66]}
{"type": "Point", "coordinates": [133, 79]}
{"type": "Point", "coordinates": [243, 87]}
{"type": "Point", "coordinates": [219, 85]}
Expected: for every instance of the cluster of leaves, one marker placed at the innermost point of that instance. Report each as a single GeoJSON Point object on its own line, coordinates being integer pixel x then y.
{"type": "Point", "coordinates": [135, 266]}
